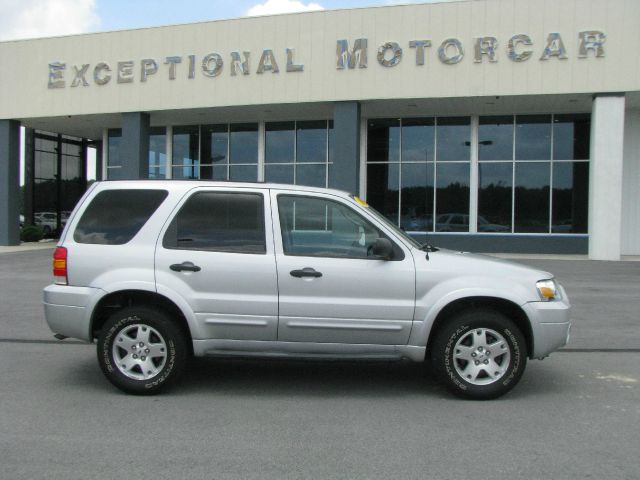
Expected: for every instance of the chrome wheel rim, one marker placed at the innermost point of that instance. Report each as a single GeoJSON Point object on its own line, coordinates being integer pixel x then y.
{"type": "Point", "coordinates": [139, 351]}
{"type": "Point", "coordinates": [481, 356]}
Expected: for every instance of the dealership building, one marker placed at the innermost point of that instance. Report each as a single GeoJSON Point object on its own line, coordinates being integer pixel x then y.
{"type": "Point", "coordinates": [483, 125]}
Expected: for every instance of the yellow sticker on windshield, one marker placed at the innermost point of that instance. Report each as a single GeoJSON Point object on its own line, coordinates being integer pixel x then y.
{"type": "Point", "coordinates": [361, 202]}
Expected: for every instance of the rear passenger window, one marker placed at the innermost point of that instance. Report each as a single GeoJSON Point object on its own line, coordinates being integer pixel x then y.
{"type": "Point", "coordinates": [115, 216]}
{"type": "Point", "coordinates": [219, 222]}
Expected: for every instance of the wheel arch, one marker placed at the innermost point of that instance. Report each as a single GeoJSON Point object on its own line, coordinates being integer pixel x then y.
{"type": "Point", "coordinates": [114, 301]}
{"type": "Point", "coordinates": [506, 307]}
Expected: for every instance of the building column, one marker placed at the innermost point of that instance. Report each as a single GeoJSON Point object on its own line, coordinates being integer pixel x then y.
{"type": "Point", "coordinates": [605, 177]}
{"type": "Point", "coordinates": [345, 171]}
{"type": "Point", "coordinates": [9, 182]}
{"type": "Point", "coordinates": [134, 149]}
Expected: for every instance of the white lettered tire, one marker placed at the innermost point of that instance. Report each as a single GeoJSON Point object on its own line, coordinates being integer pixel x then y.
{"type": "Point", "coordinates": [141, 350]}
{"type": "Point", "coordinates": [479, 354]}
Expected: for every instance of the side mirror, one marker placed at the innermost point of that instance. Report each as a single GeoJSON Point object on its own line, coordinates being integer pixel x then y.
{"type": "Point", "coordinates": [382, 249]}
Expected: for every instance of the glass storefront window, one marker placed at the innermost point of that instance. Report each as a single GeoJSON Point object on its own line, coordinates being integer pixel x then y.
{"type": "Point", "coordinates": [452, 197]}
{"type": "Point", "coordinates": [214, 150]}
{"type": "Point", "coordinates": [570, 197]}
{"type": "Point", "coordinates": [495, 182]}
{"type": "Point", "coordinates": [383, 141]}
{"type": "Point", "coordinates": [157, 152]}
{"type": "Point", "coordinates": [114, 138]}
{"type": "Point", "coordinates": [418, 136]}
{"type": "Point", "coordinates": [533, 137]}
{"type": "Point", "coordinates": [571, 137]}
{"type": "Point", "coordinates": [279, 140]}
{"type": "Point", "coordinates": [495, 138]}
{"type": "Point", "coordinates": [532, 183]}
{"type": "Point", "coordinates": [243, 152]}
{"type": "Point", "coordinates": [453, 139]}
{"type": "Point", "coordinates": [185, 161]}
{"type": "Point", "coordinates": [383, 193]}
{"type": "Point", "coordinates": [416, 213]}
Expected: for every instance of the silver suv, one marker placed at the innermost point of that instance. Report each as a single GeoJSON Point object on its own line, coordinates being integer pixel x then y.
{"type": "Point", "coordinates": [157, 271]}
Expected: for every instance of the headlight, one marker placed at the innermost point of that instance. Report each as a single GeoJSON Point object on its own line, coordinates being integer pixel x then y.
{"type": "Point", "coordinates": [548, 290]}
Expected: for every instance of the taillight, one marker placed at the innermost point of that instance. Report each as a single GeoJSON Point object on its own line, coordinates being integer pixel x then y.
{"type": "Point", "coordinates": [60, 266]}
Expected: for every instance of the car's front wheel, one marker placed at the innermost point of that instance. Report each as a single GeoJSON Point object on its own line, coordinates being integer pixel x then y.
{"type": "Point", "coordinates": [479, 354]}
{"type": "Point", "coordinates": [141, 350]}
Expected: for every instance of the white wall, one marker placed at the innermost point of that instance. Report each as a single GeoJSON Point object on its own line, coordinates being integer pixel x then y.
{"type": "Point", "coordinates": [631, 185]}
{"type": "Point", "coordinates": [24, 93]}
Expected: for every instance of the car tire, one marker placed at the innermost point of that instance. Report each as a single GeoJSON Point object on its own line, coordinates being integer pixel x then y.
{"type": "Point", "coordinates": [141, 350]}
{"type": "Point", "coordinates": [479, 354]}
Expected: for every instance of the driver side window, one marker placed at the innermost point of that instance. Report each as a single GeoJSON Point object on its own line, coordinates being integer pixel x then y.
{"type": "Point", "coordinates": [319, 227]}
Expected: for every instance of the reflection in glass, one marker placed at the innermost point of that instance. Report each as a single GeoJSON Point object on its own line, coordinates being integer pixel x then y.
{"type": "Point", "coordinates": [532, 197]}
{"type": "Point", "coordinates": [157, 152]}
{"type": "Point", "coordinates": [279, 142]}
{"type": "Point", "coordinates": [494, 197]}
{"type": "Point", "coordinates": [214, 144]}
{"type": "Point", "coordinates": [311, 141]}
{"type": "Point", "coordinates": [383, 140]}
{"type": "Point", "coordinates": [453, 138]}
{"type": "Point", "coordinates": [571, 135]}
{"type": "Point", "coordinates": [418, 139]}
{"type": "Point", "coordinates": [533, 137]}
{"type": "Point", "coordinates": [383, 188]}
{"type": "Point", "coordinates": [495, 138]}
{"type": "Point", "coordinates": [313, 175]}
{"type": "Point", "coordinates": [243, 173]}
{"type": "Point", "coordinates": [331, 141]}
{"type": "Point", "coordinates": [115, 139]}
{"type": "Point", "coordinates": [452, 197]}
{"type": "Point", "coordinates": [416, 213]}
{"type": "Point", "coordinates": [185, 152]}
{"type": "Point", "coordinates": [570, 197]}
{"type": "Point", "coordinates": [278, 173]}
{"type": "Point", "coordinates": [213, 172]}
{"type": "Point", "coordinates": [243, 143]}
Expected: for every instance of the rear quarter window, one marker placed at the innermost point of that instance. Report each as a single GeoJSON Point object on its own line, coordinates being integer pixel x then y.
{"type": "Point", "coordinates": [114, 217]}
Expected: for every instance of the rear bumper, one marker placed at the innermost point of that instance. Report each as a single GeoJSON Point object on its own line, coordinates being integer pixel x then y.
{"type": "Point", "coordinates": [67, 310]}
{"type": "Point", "coordinates": [550, 324]}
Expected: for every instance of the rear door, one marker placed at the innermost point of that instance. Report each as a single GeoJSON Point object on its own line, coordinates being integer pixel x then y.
{"type": "Point", "coordinates": [217, 254]}
{"type": "Point", "coordinates": [332, 290]}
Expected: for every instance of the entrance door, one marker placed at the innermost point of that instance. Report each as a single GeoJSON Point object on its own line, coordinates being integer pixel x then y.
{"type": "Point", "coordinates": [332, 290]}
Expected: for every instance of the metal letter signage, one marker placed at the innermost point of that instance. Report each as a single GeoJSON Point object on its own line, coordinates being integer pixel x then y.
{"type": "Point", "coordinates": [591, 40]}
{"type": "Point", "coordinates": [448, 44]}
{"type": "Point", "coordinates": [519, 48]}
{"type": "Point", "coordinates": [56, 74]}
{"type": "Point", "coordinates": [513, 43]}
{"type": "Point", "coordinates": [396, 54]}
{"type": "Point", "coordinates": [485, 46]}
{"type": "Point", "coordinates": [348, 58]}
{"type": "Point", "coordinates": [267, 62]}
{"type": "Point", "coordinates": [420, 46]}
{"type": "Point", "coordinates": [554, 48]}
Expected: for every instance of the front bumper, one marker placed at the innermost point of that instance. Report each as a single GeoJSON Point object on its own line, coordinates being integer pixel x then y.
{"type": "Point", "coordinates": [68, 309]}
{"type": "Point", "coordinates": [550, 325]}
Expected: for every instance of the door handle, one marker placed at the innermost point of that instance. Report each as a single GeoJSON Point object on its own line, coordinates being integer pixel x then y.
{"type": "Point", "coordinates": [185, 267]}
{"type": "Point", "coordinates": [305, 272]}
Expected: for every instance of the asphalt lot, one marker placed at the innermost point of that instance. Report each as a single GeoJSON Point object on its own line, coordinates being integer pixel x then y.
{"type": "Point", "coordinates": [574, 415]}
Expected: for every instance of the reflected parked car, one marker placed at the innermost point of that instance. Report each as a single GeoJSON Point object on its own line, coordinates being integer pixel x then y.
{"type": "Point", "coordinates": [458, 222]}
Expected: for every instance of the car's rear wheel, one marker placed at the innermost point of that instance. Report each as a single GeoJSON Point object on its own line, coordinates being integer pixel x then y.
{"type": "Point", "coordinates": [479, 354]}
{"type": "Point", "coordinates": [141, 350]}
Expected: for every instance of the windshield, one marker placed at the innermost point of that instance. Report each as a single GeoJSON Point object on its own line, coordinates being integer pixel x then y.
{"type": "Point", "coordinates": [389, 224]}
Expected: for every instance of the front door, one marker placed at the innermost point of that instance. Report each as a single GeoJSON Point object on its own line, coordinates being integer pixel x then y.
{"type": "Point", "coordinates": [217, 254]}
{"type": "Point", "coordinates": [332, 290]}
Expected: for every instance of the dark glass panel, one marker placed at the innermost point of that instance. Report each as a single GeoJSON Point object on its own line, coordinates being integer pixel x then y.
{"type": "Point", "coordinates": [114, 140]}
{"type": "Point", "coordinates": [157, 171]}
{"type": "Point", "coordinates": [331, 141]}
{"type": "Point", "coordinates": [279, 143]}
{"type": "Point", "coordinates": [532, 197]}
{"type": "Point", "coordinates": [214, 144]}
{"type": "Point", "coordinates": [494, 197]}
{"type": "Point", "coordinates": [383, 140]}
{"type": "Point", "coordinates": [311, 175]}
{"type": "Point", "coordinates": [453, 138]}
{"type": "Point", "coordinates": [418, 136]}
{"type": "Point", "coordinates": [571, 135]}
{"type": "Point", "coordinates": [278, 173]}
{"type": "Point", "coordinates": [383, 184]}
{"type": "Point", "coordinates": [452, 197]}
{"type": "Point", "coordinates": [157, 152]}
{"type": "Point", "coordinates": [416, 213]}
{"type": "Point", "coordinates": [213, 172]}
{"type": "Point", "coordinates": [243, 173]}
{"type": "Point", "coordinates": [311, 141]}
{"type": "Point", "coordinates": [570, 197]}
{"type": "Point", "coordinates": [243, 143]}
{"type": "Point", "coordinates": [533, 137]}
{"type": "Point", "coordinates": [495, 138]}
